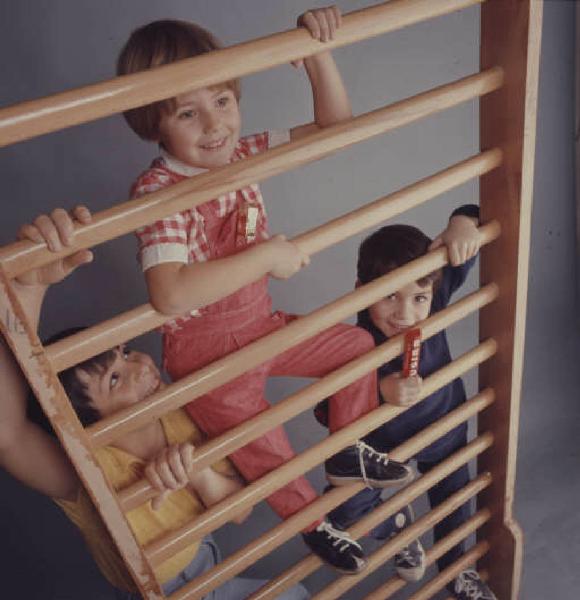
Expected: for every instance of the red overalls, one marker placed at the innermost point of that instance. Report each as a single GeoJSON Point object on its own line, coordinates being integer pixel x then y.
{"type": "Point", "coordinates": [238, 320]}
{"type": "Point", "coordinates": [231, 324]}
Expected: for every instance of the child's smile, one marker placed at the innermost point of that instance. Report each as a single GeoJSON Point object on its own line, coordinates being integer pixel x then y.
{"type": "Point", "coordinates": [204, 129]}
{"type": "Point", "coordinates": [403, 309]}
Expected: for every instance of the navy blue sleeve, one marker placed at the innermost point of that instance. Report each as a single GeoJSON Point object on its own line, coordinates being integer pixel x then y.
{"type": "Point", "coordinates": [467, 210]}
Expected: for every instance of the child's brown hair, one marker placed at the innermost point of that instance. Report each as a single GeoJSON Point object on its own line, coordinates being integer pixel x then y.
{"type": "Point", "coordinates": [161, 43]}
{"type": "Point", "coordinates": [391, 247]}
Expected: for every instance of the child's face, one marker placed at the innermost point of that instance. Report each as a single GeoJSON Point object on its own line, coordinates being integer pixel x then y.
{"type": "Point", "coordinates": [204, 129]}
{"type": "Point", "coordinates": [403, 309]}
{"type": "Point", "coordinates": [128, 379]}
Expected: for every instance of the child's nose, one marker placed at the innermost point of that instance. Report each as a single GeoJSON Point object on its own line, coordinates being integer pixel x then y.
{"type": "Point", "coordinates": [404, 311]}
{"type": "Point", "coordinates": [210, 121]}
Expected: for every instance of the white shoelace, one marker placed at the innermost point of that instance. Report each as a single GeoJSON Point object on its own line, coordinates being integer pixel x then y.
{"type": "Point", "coordinates": [372, 454]}
{"type": "Point", "coordinates": [340, 539]}
{"type": "Point", "coordinates": [405, 554]}
{"type": "Point", "coordinates": [469, 586]}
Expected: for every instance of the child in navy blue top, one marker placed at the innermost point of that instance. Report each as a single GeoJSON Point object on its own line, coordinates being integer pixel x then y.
{"type": "Point", "coordinates": [385, 250]}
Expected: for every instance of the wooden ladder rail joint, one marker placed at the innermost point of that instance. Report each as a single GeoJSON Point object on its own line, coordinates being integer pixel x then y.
{"type": "Point", "coordinates": [228, 368]}
{"type": "Point", "coordinates": [94, 340]}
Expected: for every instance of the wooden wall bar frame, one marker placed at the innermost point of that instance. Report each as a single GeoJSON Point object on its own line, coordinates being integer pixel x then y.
{"type": "Point", "coordinates": [510, 37]}
{"type": "Point", "coordinates": [29, 353]}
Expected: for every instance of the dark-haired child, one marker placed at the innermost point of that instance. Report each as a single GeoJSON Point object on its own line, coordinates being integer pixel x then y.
{"type": "Point", "coordinates": [161, 450]}
{"type": "Point", "coordinates": [209, 266]}
{"type": "Point", "coordinates": [387, 249]}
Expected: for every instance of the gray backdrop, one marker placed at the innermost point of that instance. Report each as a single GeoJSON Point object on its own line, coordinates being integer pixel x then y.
{"type": "Point", "coordinates": [49, 46]}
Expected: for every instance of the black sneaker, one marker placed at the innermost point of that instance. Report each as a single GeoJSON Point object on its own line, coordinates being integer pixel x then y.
{"type": "Point", "coordinates": [469, 586]}
{"type": "Point", "coordinates": [361, 462]}
{"type": "Point", "coordinates": [410, 560]}
{"type": "Point", "coordinates": [336, 548]}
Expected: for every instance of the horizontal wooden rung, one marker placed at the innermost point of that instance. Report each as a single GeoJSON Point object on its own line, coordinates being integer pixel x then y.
{"type": "Point", "coordinates": [94, 340]}
{"type": "Point", "coordinates": [309, 564]}
{"type": "Point", "coordinates": [251, 553]}
{"type": "Point", "coordinates": [233, 365]}
{"type": "Point", "coordinates": [394, 584]}
{"type": "Point", "coordinates": [256, 491]}
{"type": "Point", "coordinates": [421, 525]}
{"type": "Point", "coordinates": [440, 581]}
{"type": "Point", "coordinates": [237, 437]}
{"type": "Point", "coordinates": [126, 217]}
{"type": "Point", "coordinates": [36, 117]}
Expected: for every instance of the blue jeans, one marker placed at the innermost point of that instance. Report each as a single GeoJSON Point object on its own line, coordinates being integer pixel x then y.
{"type": "Point", "coordinates": [238, 588]}
{"type": "Point", "coordinates": [354, 508]}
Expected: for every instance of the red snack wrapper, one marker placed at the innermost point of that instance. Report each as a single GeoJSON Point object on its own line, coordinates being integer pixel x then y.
{"type": "Point", "coordinates": [412, 351]}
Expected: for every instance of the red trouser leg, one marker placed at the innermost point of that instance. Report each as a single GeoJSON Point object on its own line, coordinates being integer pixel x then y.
{"type": "Point", "coordinates": [325, 352]}
{"type": "Point", "coordinates": [232, 404]}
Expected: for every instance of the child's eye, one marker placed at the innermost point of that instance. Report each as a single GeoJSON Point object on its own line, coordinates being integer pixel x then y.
{"type": "Point", "coordinates": [115, 377]}
{"type": "Point", "coordinates": [186, 114]}
{"type": "Point", "coordinates": [421, 298]}
{"type": "Point", "coordinates": [125, 352]}
{"type": "Point", "coordinates": [223, 101]}
{"type": "Point", "coordinates": [391, 297]}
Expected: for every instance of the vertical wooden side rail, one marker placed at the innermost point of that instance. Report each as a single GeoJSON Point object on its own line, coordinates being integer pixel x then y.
{"type": "Point", "coordinates": [510, 38]}
{"type": "Point", "coordinates": [32, 359]}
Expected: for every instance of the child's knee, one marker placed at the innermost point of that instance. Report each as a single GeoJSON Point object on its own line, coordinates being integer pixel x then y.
{"type": "Point", "coordinates": [362, 340]}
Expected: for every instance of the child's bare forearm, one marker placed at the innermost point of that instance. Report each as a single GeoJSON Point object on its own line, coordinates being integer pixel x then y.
{"type": "Point", "coordinates": [330, 99]}
{"type": "Point", "coordinates": [175, 288]}
{"type": "Point", "coordinates": [26, 451]}
{"type": "Point", "coordinates": [213, 487]}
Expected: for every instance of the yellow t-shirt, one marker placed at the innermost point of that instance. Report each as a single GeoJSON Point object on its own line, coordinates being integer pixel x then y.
{"type": "Point", "coordinates": [122, 470]}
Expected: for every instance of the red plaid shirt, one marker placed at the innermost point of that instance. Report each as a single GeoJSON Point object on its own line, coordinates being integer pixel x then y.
{"type": "Point", "coordinates": [182, 237]}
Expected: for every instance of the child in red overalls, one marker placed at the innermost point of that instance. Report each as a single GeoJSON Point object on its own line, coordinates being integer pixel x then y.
{"type": "Point", "coordinates": [210, 265]}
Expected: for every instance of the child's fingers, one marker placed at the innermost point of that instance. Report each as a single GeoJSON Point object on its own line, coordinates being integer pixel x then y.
{"type": "Point", "coordinates": [332, 21]}
{"type": "Point", "coordinates": [48, 232]}
{"type": "Point", "coordinates": [164, 472]}
{"type": "Point", "coordinates": [153, 477]}
{"type": "Point", "coordinates": [311, 23]}
{"type": "Point", "coordinates": [30, 232]}
{"type": "Point", "coordinates": [337, 16]}
{"type": "Point", "coordinates": [474, 248]}
{"type": "Point", "coordinates": [187, 450]}
{"type": "Point", "coordinates": [64, 225]}
{"type": "Point", "coordinates": [323, 24]}
{"type": "Point", "coordinates": [82, 214]}
{"type": "Point", "coordinates": [436, 243]}
{"type": "Point", "coordinates": [176, 465]}
{"type": "Point", "coordinates": [453, 253]}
